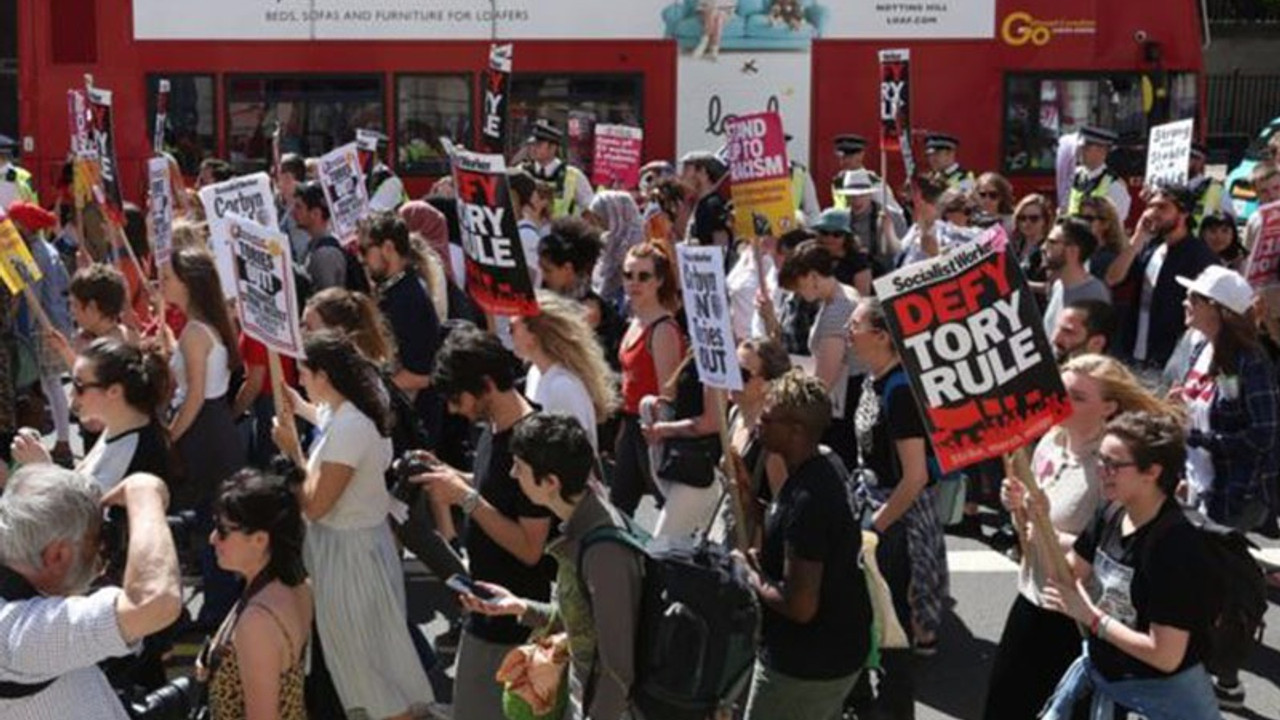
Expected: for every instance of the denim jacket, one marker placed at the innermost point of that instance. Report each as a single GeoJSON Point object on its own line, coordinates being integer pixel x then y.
{"type": "Point", "coordinates": [1243, 418]}
{"type": "Point", "coordinates": [1187, 695]}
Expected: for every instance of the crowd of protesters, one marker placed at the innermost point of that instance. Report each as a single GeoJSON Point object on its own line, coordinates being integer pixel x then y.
{"type": "Point", "coordinates": [529, 433]}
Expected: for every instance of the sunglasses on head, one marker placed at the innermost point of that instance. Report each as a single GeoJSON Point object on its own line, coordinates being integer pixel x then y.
{"type": "Point", "coordinates": [637, 276]}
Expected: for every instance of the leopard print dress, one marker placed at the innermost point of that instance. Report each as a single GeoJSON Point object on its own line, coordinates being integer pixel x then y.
{"type": "Point", "coordinates": [226, 693]}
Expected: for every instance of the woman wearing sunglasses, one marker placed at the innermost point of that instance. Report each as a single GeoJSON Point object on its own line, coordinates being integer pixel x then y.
{"type": "Point", "coordinates": [1032, 220]}
{"type": "Point", "coordinates": [651, 350]}
{"type": "Point", "coordinates": [254, 664]}
{"type": "Point", "coordinates": [1038, 644]}
{"type": "Point", "coordinates": [995, 198]}
{"type": "Point", "coordinates": [123, 389]}
{"type": "Point", "coordinates": [1146, 631]}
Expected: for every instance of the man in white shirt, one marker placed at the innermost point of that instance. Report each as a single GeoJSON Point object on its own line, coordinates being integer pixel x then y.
{"type": "Point", "coordinates": [53, 635]}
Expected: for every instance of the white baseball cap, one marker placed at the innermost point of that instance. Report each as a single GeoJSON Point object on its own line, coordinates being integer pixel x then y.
{"type": "Point", "coordinates": [1226, 287]}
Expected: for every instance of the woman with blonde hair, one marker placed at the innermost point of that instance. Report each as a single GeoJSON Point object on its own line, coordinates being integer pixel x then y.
{"type": "Point", "coordinates": [1033, 218]}
{"type": "Point", "coordinates": [568, 371]}
{"type": "Point", "coordinates": [356, 315]}
{"type": "Point", "coordinates": [1105, 222]}
{"type": "Point", "coordinates": [1038, 644]}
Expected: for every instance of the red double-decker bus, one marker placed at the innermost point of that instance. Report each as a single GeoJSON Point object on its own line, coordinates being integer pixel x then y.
{"type": "Point", "coordinates": [1005, 76]}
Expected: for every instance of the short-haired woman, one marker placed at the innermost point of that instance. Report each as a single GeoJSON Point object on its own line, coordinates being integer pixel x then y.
{"type": "Point", "coordinates": [1146, 632]}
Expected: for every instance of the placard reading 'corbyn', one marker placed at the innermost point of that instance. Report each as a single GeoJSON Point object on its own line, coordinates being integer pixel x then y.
{"type": "Point", "coordinates": [160, 208]}
{"type": "Point", "coordinates": [248, 196]}
{"type": "Point", "coordinates": [268, 304]}
{"type": "Point", "coordinates": [761, 175]}
{"type": "Point", "coordinates": [972, 342]}
{"type": "Point", "coordinates": [497, 277]}
{"type": "Point", "coordinates": [706, 304]}
{"type": "Point", "coordinates": [344, 190]}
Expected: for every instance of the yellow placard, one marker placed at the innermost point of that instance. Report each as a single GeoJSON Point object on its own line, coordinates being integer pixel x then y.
{"type": "Point", "coordinates": [17, 267]}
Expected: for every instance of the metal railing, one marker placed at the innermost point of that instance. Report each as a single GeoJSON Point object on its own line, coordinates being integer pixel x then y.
{"type": "Point", "coordinates": [1242, 104]}
{"type": "Point", "coordinates": [1241, 13]}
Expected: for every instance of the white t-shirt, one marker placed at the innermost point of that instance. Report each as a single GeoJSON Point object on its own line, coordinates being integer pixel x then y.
{"type": "Point", "coordinates": [109, 459]}
{"type": "Point", "coordinates": [559, 390]}
{"type": "Point", "coordinates": [742, 284]}
{"type": "Point", "coordinates": [217, 376]}
{"type": "Point", "coordinates": [1150, 276]}
{"type": "Point", "coordinates": [350, 438]}
{"type": "Point", "coordinates": [1198, 390]}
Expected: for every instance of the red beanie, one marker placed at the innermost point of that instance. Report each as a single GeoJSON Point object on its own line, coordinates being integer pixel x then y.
{"type": "Point", "coordinates": [31, 216]}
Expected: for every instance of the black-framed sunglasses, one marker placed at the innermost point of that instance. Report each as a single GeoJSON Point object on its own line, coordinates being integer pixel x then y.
{"type": "Point", "coordinates": [1089, 218]}
{"type": "Point", "coordinates": [1109, 466]}
{"type": "Point", "coordinates": [1030, 218]}
{"type": "Point", "coordinates": [989, 194]}
{"type": "Point", "coordinates": [637, 276]}
{"type": "Point", "coordinates": [80, 387]}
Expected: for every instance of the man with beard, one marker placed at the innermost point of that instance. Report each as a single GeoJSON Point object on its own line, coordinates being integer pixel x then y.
{"type": "Point", "coordinates": [1084, 326]}
{"type": "Point", "coordinates": [402, 297]}
{"type": "Point", "coordinates": [1066, 250]}
{"type": "Point", "coordinates": [54, 635]}
{"type": "Point", "coordinates": [1162, 249]}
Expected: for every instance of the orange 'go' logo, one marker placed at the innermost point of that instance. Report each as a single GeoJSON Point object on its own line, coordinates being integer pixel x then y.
{"type": "Point", "coordinates": [1020, 28]}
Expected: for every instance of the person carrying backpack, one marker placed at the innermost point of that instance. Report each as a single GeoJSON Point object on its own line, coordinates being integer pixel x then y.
{"type": "Point", "coordinates": [1159, 589]}
{"type": "Point", "coordinates": [817, 612]}
{"type": "Point", "coordinates": [598, 584]}
{"type": "Point", "coordinates": [325, 264]}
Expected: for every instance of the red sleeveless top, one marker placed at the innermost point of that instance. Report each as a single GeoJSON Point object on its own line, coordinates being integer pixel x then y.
{"type": "Point", "coordinates": [639, 373]}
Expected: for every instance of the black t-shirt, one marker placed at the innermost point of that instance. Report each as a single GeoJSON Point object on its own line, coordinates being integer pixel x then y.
{"type": "Point", "coordinates": [711, 214]}
{"type": "Point", "coordinates": [876, 433]}
{"type": "Point", "coordinates": [848, 267]}
{"type": "Point", "coordinates": [490, 562]}
{"type": "Point", "coordinates": [814, 516]}
{"type": "Point", "coordinates": [1155, 575]}
{"type": "Point", "coordinates": [416, 328]}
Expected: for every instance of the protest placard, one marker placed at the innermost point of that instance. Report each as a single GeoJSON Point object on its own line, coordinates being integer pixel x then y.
{"type": "Point", "coordinates": [895, 98]}
{"type": "Point", "coordinates": [706, 303]}
{"type": "Point", "coordinates": [248, 196]}
{"type": "Point", "coordinates": [1263, 268]}
{"type": "Point", "coordinates": [497, 275]}
{"type": "Point", "coordinates": [102, 139]}
{"type": "Point", "coordinates": [497, 90]}
{"type": "Point", "coordinates": [617, 158]}
{"type": "Point", "coordinates": [760, 174]}
{"type": "Point", "coordinates": [160, 209]}
{"type": "Point", "coordinates": [268, 301]}
{"type": "Point", "coordinates": [162, 116]}
{"type": "Point", "coordinates": [78, 124]}
{"type": "Point", "coordinates": [367, 148]}
{"type": "Point", "coordinates": [973, 344]}
{"type": "Point", "coordinates": [1169, 152]}
{"type": "Point", "coordinates": [344, 189]}
{"type": "Point", "coordinates": [17, 267]}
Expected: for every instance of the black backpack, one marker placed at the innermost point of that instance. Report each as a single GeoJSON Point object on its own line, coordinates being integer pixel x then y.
{"type": "Point", "coordinates": [355, 280]}
{"type": "Point", "coordinates": [1237, 593]}
{"type": "Point", "coordinates": [698, 629]}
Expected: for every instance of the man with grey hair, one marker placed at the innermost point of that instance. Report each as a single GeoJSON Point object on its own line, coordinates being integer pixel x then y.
{"type": "Point", "coordinates": [52, 635]}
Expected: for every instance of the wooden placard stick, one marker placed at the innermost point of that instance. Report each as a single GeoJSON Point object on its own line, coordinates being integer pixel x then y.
{"type": "Point", "coordinates": [742, 536]}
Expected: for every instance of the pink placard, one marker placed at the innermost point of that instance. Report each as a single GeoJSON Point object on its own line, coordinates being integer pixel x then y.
{"type": "Point", "coordinates": [617, 159]}
{"type": "Point", "coordinates": [1264, 262]}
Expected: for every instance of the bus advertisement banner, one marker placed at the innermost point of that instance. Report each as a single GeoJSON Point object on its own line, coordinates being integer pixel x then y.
{"type": "Point", "coordinates": [497, 89]}
{"type": "Point", "coordinates": [706, 303]}
{"type": "Point", "coordinates": [616, 164]}
{"type": "Point", "coordinates": [895, 98]}
{"type": "Point", "coordinates": [248, 196]}
{"type": "Point", "coordinates": [973, 344]}
{"type": "Point", "coordinates": [1169, 153]}
{"type": "Point", "coordinates": [102, 138]}
{"type": "Point", "coordinates": [497, 274]}
{"type": "Point", "coordinates": [344, 190]}
{"type": "Point", "coordinates": [760, 174]}
{"type": "Point", "coordinates": [160, 209]}
{"type": "Point", "coordinates": [267, 304]}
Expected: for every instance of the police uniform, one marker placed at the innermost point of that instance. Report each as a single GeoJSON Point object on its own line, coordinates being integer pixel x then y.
{"type": "Point", "coordinates": [1211, 195]}
{"type": "Point", "coordinates": [573, 192]}
{"type": "Point", "coordinates": [804, 192]}
{"type": "Point", "coordinates": [954, 176]}
{"type": "Point", "coordinates": [845, 145]}
{"type": "Point", "coordinates": [1099, 182]}
{"type": "Point", "coordinates": [19, 177]}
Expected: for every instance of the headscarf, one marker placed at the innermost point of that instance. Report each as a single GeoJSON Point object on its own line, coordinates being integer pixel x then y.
{"type": "Point", "coordinates": [430, 223]}
{"type": "Point", "coordinates": [618, 211]}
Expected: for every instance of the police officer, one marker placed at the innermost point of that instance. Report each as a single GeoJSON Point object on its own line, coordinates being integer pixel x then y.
{"type": "Point", "coordinates": [573, 190]}
{"type": "Point", "coordinates": [941, 151]}
{"type": "Point", "coordinates": [1093, 178]}
{"type": "Point", "coordinates": [851, 153]}
{"type": "Point", "coordinates": [803, 191]}
{"type": "Point", "coordinates": [18, 180]}
{"type": "Point", "coordinates": [1211, 196]}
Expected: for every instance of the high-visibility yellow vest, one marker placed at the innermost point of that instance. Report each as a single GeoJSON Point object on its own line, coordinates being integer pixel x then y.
{"type": "Point", "coordinates": [1083, 186]}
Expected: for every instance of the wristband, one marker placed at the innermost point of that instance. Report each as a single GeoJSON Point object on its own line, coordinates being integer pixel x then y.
{"type": "Point", "coordinates": [1097, 621]}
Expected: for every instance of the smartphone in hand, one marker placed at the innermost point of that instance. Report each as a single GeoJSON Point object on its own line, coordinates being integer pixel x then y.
{"type": "Point", "coordinates": [464, 585]}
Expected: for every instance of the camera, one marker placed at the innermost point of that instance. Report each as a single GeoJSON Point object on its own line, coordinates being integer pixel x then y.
{"type": "Point", "coordinates": [181, 699]}
{"type": "Point", "coordinates": [412, 463]}
{"type": "Point", "coordinates": [113, 540]}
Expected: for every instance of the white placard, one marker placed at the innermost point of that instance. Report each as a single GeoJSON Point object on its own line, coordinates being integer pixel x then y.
{"type": "Point", "coordinates": [160, 208]}
{"type": "Point", "coordinates": [344, 190]}
{"type": "Point", "coordinates": [706, 304]}
{"type": "Point", "coordinates": [248, 196]}
{"type": "Point", "coordinates": [1169, 153]}
{"type": "Point", "coordinates": [742, 83]}
{"type": "Point", "coordinates": [267, 299]}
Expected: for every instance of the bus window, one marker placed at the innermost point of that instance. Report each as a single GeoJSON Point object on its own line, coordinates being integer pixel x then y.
{"type": "Point", "coordinates": [316, 113]}
{"type": "Point", "coordinates": [428, 107]}
{"type": "Point", "coordinates": [575, 103]}
{"type": "Point", "coordinates": [190, 128]}
{"type": "Point", "coordinates": [1041, 108]}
